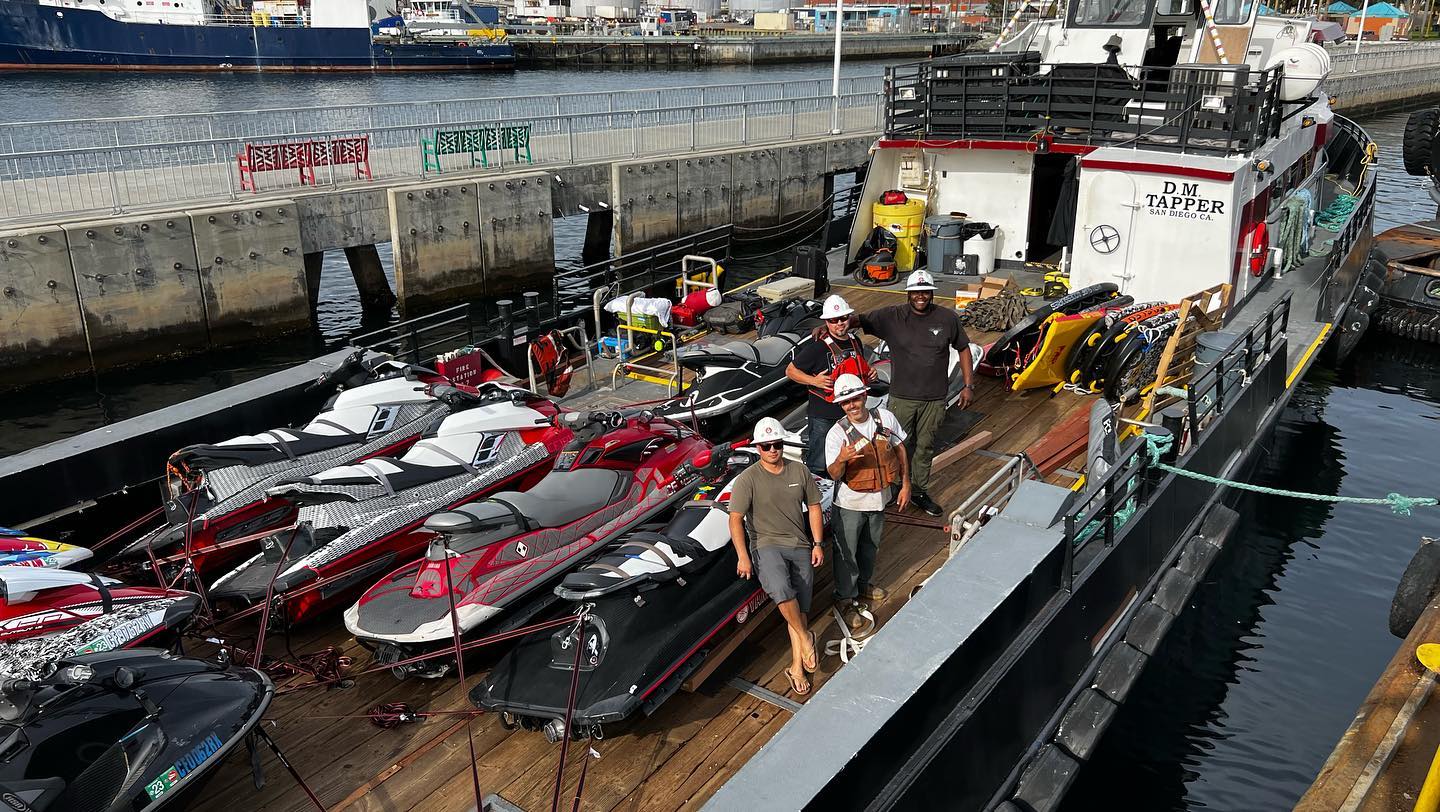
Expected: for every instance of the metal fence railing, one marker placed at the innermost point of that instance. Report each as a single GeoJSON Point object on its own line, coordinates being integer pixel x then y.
{"type": "Point", "coordinates": [1383, 56]}
{"type": "Point", "coordinates": [33, 136]}
{"type": "Point", "coordinates": [498, 322]}
{"type": "Point", "coordinates": [116, 179]}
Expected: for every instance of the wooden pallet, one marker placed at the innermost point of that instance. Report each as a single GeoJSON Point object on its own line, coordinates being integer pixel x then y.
{"type": "Point", "coordinates": [1199, 313]}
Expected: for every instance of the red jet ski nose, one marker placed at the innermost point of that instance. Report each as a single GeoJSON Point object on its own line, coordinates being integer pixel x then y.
{"type": "Point", "coordinates": [429, 581]}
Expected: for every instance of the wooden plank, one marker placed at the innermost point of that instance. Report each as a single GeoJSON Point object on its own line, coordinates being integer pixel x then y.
{"type": "Point", "coordinates": [717, 655]}
{"type": "Point", "coordinates": [1058, 440]}
{"type": "Point", "coordinates": [961, 450]}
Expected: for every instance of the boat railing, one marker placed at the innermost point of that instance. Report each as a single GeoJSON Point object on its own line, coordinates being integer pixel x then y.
{"type": "Point", "coordinates": [257, 19]}
{"type": "Point", "coordinates": [1109, 502]}
{"type": "Point", "coordinates": [1215, 109]}
{"type": "Point", "coordinates": [1216, 386]}
{"type": "Point", "coordinates": [503, 322]}
{"type": "Point", "coordinates": [986, 501]}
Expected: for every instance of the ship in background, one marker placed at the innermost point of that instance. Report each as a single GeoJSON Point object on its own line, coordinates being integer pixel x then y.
{"type": "Point", "coordinates": [256, 35]}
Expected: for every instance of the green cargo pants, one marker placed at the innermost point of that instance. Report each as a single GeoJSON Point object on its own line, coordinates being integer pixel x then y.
{"type": "Point", "coordinates": [920, 420]}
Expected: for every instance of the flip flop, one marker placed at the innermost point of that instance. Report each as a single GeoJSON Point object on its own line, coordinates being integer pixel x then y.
{"type": "Point", "coordinates": [814, 659]}
{"type": "Point", "coordinates": [796, 683]}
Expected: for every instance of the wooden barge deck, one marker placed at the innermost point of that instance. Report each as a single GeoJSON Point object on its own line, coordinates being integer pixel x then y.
{"type": "Point", "coordinates": [1380, 763]}
{"type": "Point", "coordinates": [675, 759]}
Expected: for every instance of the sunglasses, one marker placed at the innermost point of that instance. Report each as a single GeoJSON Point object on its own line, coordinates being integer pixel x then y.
{"type": "Point", "coordinates": [769, 446]}
{"type": "Point", "coordinates": [838, 319]}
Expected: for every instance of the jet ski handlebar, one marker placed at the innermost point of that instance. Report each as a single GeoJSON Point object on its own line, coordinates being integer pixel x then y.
{"type": "Point", "coordinates": [488, 392]}
{"type": "Point", "coordinates": [606, 420]}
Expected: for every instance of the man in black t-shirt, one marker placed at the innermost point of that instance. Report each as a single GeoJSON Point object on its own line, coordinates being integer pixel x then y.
{"type": "Point", "coordinates": [920, 336]}
{"type": "Point", "coordinates": [816, 365]}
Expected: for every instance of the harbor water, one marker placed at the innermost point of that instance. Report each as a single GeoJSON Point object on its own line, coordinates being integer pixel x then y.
{"type": "Point", "coordinates": [1258, 678]}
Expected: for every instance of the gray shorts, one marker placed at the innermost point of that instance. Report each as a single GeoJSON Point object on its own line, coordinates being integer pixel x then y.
{"type": "Point", "coordinates": [785, 573]}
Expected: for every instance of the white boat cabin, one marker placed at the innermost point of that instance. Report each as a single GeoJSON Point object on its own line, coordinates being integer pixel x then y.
{"type": "Point", "coordinates": [1149, 143]}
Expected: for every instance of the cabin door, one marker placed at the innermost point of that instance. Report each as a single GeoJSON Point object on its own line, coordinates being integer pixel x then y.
{"type": "Point", "coordinates": [1105, 231]}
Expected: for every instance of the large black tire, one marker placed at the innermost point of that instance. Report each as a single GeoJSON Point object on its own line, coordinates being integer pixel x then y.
{"type": "Point", "coordinates": [1421, 146]}
{"type": "Point", "coordinates": [1417, 588]}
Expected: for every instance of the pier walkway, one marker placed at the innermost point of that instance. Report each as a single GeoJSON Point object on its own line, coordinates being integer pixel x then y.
{"type": "Point", "coordinates": [62, 170]}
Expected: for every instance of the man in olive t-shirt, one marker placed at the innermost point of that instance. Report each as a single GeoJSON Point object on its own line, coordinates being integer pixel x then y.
{"type": "Point", "coordinates": [780, 499]}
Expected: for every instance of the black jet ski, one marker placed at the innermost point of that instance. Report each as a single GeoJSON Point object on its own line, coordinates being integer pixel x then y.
{"type": "Point", "coordinates": [122, 731]}
{"type": "Point", "coordinates": [217, 490]}
{"type": "Point", "coordinates": [739, 381]}
{"type": "Point", "coordinates": [653, 603]}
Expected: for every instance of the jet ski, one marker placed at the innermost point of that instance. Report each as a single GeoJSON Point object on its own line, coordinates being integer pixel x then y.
{"type": "Point", "coordinates": [217, 491]}
{"type": "Point", "coordinates": [502, 554]}
{"type": "Point", "coordinates": [355, 522]}
{"type": "Point", "coordinates": [652, 604]}
{"type": "Point", "coordinates": [739, 381]}
{"type": "Point", "coordinates": [35, 602]}
{"type": "Point", "coordinates": [19, 549]}
{"type": "Point", "coordinates": [123, 731]}
{"type": "Point", "coordinates": [1009, 353]}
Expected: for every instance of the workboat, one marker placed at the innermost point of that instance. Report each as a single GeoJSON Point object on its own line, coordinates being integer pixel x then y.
{"type": "Point", "coordinates": [1410, 300]}
{"type": "Point", "coordinates": [1166, 159]}
{"type": "Point", "coordinates": [239, 35]}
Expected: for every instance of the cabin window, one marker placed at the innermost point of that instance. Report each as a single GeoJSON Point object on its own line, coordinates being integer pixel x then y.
{"type": "Point", "coordinates": [1109, 13]}
{"type": "Point", "coordinates": [1232, 12]}
{"type": "Point", "coordinates": [1176, 8]}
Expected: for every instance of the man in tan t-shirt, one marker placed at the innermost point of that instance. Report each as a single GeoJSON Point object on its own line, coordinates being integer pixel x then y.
{"type": "Point", "coordinates": [780, 499]}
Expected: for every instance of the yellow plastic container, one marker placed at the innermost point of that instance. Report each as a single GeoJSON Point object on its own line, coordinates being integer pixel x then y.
{"type": "Point", "coordinates": [906, 221]}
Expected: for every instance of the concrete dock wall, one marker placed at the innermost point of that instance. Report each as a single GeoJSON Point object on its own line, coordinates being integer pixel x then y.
{"type": "Point", "coordinates": [139, 288]}
{"type": "Point", "coordinates": [102, 293]}
{"type": "Point", "coordinates": [44, 335]}
{"type": "Point", "coordinates": [252, 270]}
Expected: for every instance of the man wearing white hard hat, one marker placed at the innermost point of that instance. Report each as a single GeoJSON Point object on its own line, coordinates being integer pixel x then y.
{"type": "Point", "coordinates": [865, 455]}
{"type": "Point", "coordinates": [781, 503]}
{"type": "Point", "coordinates": [816, 365]}
{"type": "Point", "coordinates": [920, 336]}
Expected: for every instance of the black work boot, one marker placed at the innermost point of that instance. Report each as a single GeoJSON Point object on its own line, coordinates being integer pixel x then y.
{"type": "Point", "coordinates": [923, 501]}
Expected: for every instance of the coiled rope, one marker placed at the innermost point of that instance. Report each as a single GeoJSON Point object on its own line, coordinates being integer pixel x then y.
{"type": "Point", "coordinates": [994, 314]}
{"type": "Point", "coordinates": [1335, 215]}
{"type": "Point", "coordinates": [1158, 446]}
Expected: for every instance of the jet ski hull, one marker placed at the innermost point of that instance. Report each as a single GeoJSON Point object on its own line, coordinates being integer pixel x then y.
{"type": "Point", "coordinates": [652, 647]}
{"type": "Point", "coordinates": [91, 745]}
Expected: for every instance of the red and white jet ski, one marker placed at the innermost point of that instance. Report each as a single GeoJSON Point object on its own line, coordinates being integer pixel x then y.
{"type": "Point", "coordinates": [358, 521]}
{"type": "Point", "coordinates": [219, 490]}
{"type": "Point", "coordinates": [503, 553]}
{"type": "Point", "coordinates": [35, 602]}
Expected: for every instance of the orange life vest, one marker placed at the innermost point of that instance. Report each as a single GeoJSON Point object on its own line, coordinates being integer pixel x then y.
{"type": "Point", "coordinates": [878, 466]}
{"type": "Point", "coordinates": [843, 360]}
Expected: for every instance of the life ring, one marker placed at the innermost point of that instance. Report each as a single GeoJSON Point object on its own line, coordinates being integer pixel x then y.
{"type": "Point", "coordinates": [1259, 249]}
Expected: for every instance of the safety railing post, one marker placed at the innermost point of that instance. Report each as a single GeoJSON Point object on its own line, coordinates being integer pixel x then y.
{"type": "Point", "coordinates": [693, 145]}
{"type": "Point", "coordinates": [634, 134]}
{"type": "Point", "coordinates": [114, 183]}
{"type": "Point", "coordinates": [1109, 511]}
{"type": "Point", "coordinates": [570, 136]}
{"type": "Point", "coordinates": [1068, 576]}
{"type": "Point", "coordinates": [744, 124]}
{"type": "Point", "coordinates": [792, 119]}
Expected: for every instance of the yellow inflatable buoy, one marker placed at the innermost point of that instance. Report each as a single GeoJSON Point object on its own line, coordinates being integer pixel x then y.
{"type": "Point", "coordinates": [1429, 656]}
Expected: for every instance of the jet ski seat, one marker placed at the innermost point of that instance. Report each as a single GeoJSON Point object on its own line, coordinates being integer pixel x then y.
{"type": "Point", "coordinates": [565, 496]}
{"type": "Point", "coordinates": [765, 352]}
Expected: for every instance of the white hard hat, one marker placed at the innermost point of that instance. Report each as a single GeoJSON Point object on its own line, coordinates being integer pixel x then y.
{"type": "Point", "coordinates": [848, 386]}
{"type": "Point", "coordinates": [920, 280]}
{"type": "Point", "coordinates": [835, 307]}
{"type": "Point", "coordinates": [768, 430]}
